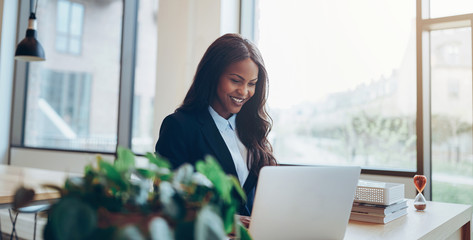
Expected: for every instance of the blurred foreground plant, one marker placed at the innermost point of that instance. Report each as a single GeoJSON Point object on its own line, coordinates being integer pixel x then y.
{"type": "Point", "coordinates": [121, 201]}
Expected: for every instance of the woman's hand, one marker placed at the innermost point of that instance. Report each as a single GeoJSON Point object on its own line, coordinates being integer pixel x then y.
{"type": "Point", "coordinates": [245, 220]}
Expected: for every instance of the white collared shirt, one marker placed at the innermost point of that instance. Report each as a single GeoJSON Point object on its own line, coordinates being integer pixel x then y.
{"type": "Point", "coordinates": [227, 129]}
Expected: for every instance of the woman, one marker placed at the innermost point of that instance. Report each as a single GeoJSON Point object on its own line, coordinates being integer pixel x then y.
{"type": "Point", "coordinates": [224, 115]}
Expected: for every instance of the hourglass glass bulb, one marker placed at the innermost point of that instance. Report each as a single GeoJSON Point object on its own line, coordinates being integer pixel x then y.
{"type": "Point", "coordinates": [419, 202]}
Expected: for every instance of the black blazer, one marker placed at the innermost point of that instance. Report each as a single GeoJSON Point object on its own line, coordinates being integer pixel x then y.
{"type": "Point", "coordinates": [187, 137]}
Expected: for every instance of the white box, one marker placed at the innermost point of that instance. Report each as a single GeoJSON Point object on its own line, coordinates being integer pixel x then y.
{"type": "Point", "coordinates": [381, 193]}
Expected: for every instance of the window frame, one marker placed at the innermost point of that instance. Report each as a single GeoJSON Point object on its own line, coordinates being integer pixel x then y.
{"type": "Point", "coordinates": [424, 25]}
{"type": "Point", "coordinates": [126, 82]}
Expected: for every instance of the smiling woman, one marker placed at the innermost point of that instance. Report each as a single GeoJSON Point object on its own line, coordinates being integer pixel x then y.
{"type": "Point", "coordinates": [224, 115]}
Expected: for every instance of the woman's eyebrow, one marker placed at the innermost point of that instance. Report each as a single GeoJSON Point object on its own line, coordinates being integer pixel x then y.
{"type": "Point", "coordinates": [240, 77]}
{"type": "Point", "coordinates": [234, 74]}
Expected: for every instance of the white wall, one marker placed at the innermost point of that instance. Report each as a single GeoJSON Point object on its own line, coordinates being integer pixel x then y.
{"type": "Point", "coordinates": [72, 162]}
{"type": "Point", "coordinates": [8, 17]}
{"type": "Point", "coordinates": [185, 29]}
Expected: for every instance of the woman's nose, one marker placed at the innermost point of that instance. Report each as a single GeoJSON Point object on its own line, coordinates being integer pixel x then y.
{"type": "Point", "coordinates": [242, 90]}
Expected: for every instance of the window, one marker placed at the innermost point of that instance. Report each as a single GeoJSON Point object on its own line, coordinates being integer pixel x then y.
{"type": "Point", "coordinates": [84, 100]}
{"type": "Point", "coordinates": [61, 90]}
{"type": "Point", "coordinates": [352, 86]}
{"type": "Point", "coordinates": [69, 24]}
{"type": "Point", "coordinates": [342, 81]}
{"type": "Point", "coordinates": [442, 8]}
{"type": "Point", "coordinates": [451, 84]}
{"type": "Point", "coordinates": [62, 112]}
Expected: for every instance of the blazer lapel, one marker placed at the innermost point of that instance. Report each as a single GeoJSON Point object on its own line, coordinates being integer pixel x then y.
{"type": "Point", "coordinates": [250, 182]}
{"type": "Point", "coordinates": [216, 142]}
{"type": "Point", "coordinates": [249, 188]}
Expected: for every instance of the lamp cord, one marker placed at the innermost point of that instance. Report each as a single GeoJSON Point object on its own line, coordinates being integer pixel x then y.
{"type": "Point", "coordinates": [35, 6]}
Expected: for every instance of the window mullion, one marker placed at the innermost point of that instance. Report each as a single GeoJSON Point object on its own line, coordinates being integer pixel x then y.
{"type": "Point", "coordinates": [20, 84]}
{"type": "Point", "coordinates": [125, 106]}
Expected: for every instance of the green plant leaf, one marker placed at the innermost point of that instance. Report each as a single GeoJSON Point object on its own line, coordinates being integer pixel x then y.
{"type": "Point", "coordinates": [125, 159]}
{"type": "Point", "coordinates": [74, 184]}
{"type": "Point", "coordinates": [209, 225]}
{"type": "Point", "coordinates": [244, 234]}
{"type": "Point", "coordinates": [229, 218]}
{"type": "Point", "coordinates": [158, 160]}
{"type": "Point", "coordinates": [129, 232]}
{"type": "Point", "coordinates": [71, 219]}
{"type": "Point", "coordinates": [146, 173]}
{"type": "Point", "coordinates": [184, 230]}
{"type": "Point", "coordinates": [183, 175]}
{"type": "Point", "coordinates": [212, 170]}
{"type": "Point", "coordinates": [170, 201]}
{"type": "Point", "coordinates": [112, 174]}
{"type": "Point", "coordinates": [159, 229]}
{"type": "Point", "coordinates": [88, 168]}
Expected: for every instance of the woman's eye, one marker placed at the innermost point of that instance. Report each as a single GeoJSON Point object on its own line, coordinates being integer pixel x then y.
{"type": "Point", "coordinates": [251, 84]}
{"type": "Point", "coordinates": [234, 80]}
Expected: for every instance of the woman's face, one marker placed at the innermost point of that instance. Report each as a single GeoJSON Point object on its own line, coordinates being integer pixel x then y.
{"type": "Point", "coordinates": [235, 87]}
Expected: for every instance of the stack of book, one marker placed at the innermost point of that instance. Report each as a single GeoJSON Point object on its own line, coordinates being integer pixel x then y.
{"type": "Point", "coordinates": [376, 213]}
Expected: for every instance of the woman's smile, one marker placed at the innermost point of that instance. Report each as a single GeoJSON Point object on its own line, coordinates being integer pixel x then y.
{"type": "Point", "coordinates": [238, 101]}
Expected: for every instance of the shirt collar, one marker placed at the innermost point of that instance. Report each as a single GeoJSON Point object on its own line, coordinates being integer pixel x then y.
{"type": "Point", "coordinates": [221, 122]}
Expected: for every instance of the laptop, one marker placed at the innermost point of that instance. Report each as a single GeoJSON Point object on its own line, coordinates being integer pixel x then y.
{"type": "Point", "coordinates": [302, 202]}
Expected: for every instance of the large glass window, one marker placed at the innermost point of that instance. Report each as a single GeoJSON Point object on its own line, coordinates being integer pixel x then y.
{"type": "Point", "coordinates": [342, 81]}
{"type": "Point", "coordinates": [343, 86]}
{"type": "Point", "coordinates": [72, 100]}
{"type": "Point", "coordinates": [451, 77]}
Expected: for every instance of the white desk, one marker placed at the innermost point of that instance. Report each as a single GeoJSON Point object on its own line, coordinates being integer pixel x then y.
{"type": "Point", "coordinates": [438, 221]}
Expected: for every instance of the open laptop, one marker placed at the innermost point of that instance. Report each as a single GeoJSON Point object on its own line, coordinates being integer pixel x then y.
{"type": "Point", "coordinates": [301, 202]}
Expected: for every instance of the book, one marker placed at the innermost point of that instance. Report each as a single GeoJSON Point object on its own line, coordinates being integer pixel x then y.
{"type": "Point", "coordinates": [378, 218]}
{"type": "Point", "coordinates": [378, 209]}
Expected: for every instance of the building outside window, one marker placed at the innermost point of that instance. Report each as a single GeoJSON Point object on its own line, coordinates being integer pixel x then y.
{"type": "Point", "coordinates": [69, 25]}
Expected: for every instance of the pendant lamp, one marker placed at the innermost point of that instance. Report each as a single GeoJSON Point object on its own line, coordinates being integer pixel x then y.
{"type": "Point", "coordinates": [29, 49]}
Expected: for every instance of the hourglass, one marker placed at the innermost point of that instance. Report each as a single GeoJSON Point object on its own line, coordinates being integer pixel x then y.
{"type": "Point", "coordinates": [419, 202]}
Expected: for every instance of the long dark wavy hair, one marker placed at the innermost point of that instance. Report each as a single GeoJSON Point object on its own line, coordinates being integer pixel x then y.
{"type": "Point", "coordinates": [253, 121]}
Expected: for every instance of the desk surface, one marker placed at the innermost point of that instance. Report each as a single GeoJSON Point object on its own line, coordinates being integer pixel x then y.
{"type": "Point", "coordinates": [12, 177]}
{"type": "Point", "coordinates": [438, 221]}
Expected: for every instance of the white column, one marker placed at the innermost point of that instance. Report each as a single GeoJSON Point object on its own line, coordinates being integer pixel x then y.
{"type": "Point", "coordinates": [185, 29]}
{"type": "Point", "coordinates": [8, 18]}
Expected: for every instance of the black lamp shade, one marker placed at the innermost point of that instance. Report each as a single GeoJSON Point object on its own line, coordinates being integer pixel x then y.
{"type": "Point", "coordinates": [29, 49]}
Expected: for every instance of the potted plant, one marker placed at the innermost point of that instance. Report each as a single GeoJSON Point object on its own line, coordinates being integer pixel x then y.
{"type": "Point", "coordinates": [122, 201]}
